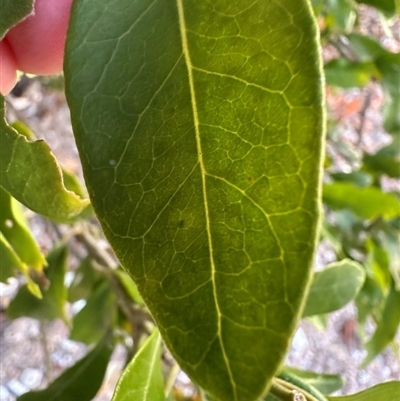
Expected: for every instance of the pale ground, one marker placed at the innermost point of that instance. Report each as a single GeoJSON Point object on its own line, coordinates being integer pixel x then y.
{"type": "Point", "coordinates": [336, 349]}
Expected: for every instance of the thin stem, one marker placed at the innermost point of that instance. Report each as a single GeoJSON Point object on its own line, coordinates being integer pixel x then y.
{"type": "Point", "coordinates": [171, 379]}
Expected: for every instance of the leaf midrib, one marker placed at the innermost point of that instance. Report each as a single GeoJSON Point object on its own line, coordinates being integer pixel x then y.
{"type": "Point", "coordinates": [189, 65]}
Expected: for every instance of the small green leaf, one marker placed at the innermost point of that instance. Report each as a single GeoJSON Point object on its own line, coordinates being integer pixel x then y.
{"type": "Point", "coordinates": [341, 15]}
{"type": "Point", "coordinates": [382, 392]}
{"type": "Point", "coordinates": [387, 7]}
{"type": "Point", "coordinates": [96, 317]}
{"type": "Point", "coordinates": [53, 303]}
{"type": "Point", "coordinates": [385, 161]}
{"type": "Point", "coordinates": [358, 178]}
{"type": "Point", "coordinates": [15, 229]}
{"type": "Point", "coordinates": [202, 157]}
{"type": "Point", "coordinates": [367, 202]}
{"type": "Point", "coordinates": [387, 326]}
{"type": "Point", "coordinates": [325, 383]}
{"type": "Point", "coordinates": [142, 379]}
{"type": "Point", "coordinates": [80, 382]}
{"type": "Point", "coordinates": [9, 260]}
{"type": "Point", "coordinates": [369, 299]}
{"type": "Point", "coordinates": [86, 277]}
{"type": "Point", "coordinates": [366, 48]}
{"type": "Point", "coordinates": [334, 287]}
{"type": "Point", "coordinates": [12, 11]}
{"type": "Point", "coordinates": [349, 74]}
{"type": "Point", "coordinates": [30, 173]}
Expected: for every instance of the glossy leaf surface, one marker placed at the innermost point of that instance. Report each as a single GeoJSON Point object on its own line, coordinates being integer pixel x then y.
{"type": "Point", "coordinates": [199, 126]}
{"type": "Point", "coordinates": [80, 382]}
{"type": "Point", "coordinates": [381, 392]}
{"type": "Point", "coordinates": [12, 11]}
{"type": "Point", "coordinates": [30, 173]}
{"type": "Point", "coordinates": [333, 287]}
{"type": "Point", "coordinates": [142, 379]}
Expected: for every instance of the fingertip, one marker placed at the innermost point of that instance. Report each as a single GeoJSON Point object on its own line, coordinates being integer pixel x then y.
{"type": "Point", "coordinates": [8, 68]}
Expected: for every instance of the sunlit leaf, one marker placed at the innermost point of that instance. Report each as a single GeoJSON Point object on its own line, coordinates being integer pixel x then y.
{"type": "Point", "coordinates": [142, 379]}
{"type": "Point", "coordinates": [80, 382]}
{"type": "Point", "coordinates": [9, 260]}
{"type": "Point", "coordinates": [53, 303]}
{"type": "Point", "coordinates": [367, 202]}
{"type": "Point", "coordinates": [12, 11]}
{"type": "Point", "coordinates": [14, 227]}
{"type": "Point", "coordinates": [333, 287]}
{"type": "Point", "coordinates": [199, 127]}
{"type": "Point", "coordinates": [382, 392]}
{"type": "Point", "coordinates": [30, 173]}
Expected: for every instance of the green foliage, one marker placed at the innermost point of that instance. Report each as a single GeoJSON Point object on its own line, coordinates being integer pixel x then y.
{"type": "Point", "coordinates": [12, 11]}
{"type": "Point", "coordinates": [329, 291]}
{"type": "Point", "coordinates": [200, 132]}
{"type": "Point", "coordinates": [142, 379]}
{"type": "Point", "coordinates": [380, 392]}
{"type": "Point", "coordinates": [40, 189]}
{"type": "Point", "coordinates": [53, 303]}
{"type": "Point", "coordinates": [210, 201]}
{"type": "Point", "coordinates": [79, 382]}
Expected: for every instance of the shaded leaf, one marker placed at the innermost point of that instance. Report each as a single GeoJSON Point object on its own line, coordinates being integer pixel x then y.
{"type": "Point", "coordinates": [387, 7]}
{"type": "Point", "coordinates": [142, 379]}
{"type": "Point", "coordinates": [80, 382]}
{"type": "Point", "coordinates": [96, 317]}
{"type": "Point", "coordinates": [367, 202]}
{"type": "Point", "coordinates": [385, 161]}
{"type": "Point", "coordinates": [381, 392]}
{"type": "Point", "coordinates": [358, 178]}
{"type": "Point", "coordinates": [387, 326]}
{"type": "Point", "coordinates": [368, 299]}
{"type": "Point", "coordinates": [333, 287]}
{"type": "Point", "coordinates": [366, 48]}
{"type": "Point", "coordinates": [202, 158]}
{"type": "Point", "coordinates": [12, 11]}
{"type": "Point", "coordinates": [41, 188]}
{"type": "Point", "coordinates": [14, 227]}
{"type": "Point", "coordinates": [86, 277]}
{"type": "Point", "coordinates": [349, 74]}
{"type": "Point", "coordinates": [52, 305]}
{"type": "Point", "coordinates": [325, 383]}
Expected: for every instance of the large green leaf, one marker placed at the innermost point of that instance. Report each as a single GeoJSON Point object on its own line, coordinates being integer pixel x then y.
{"type": "Point", "coordinates": [387, 326]}
{"type": "Point", "coordinates": [382, 392]}
{"type": "Point", "coordinates": [334, 287]}
{"type": "Point", "coordinates": [12, 11]}
{"type": "Point", "coordinates": [80, 382]}
{"type": "Point", "coordinates": [53, 303]}
{"type": "Point", "coordinates": [142, 379]}
{"type": "Point", "coordinates": [30, 173]}
{"type": "Point", "coordinates": [368, 202]}
{"type": "Point", "coordinates": [199, 127]}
